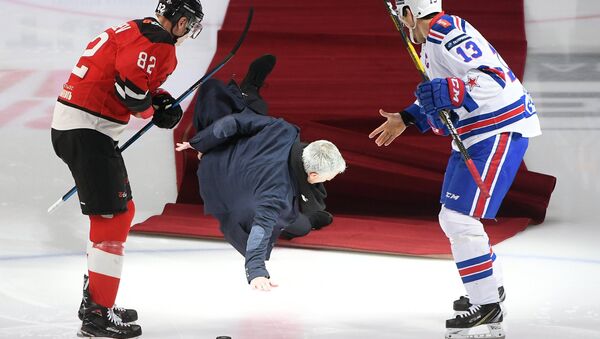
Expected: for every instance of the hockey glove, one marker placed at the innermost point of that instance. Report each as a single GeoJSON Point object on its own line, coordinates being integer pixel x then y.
{"type": "Point", "coordinates": [165, 114]}
{"type": "Point", "coordinates": [440, 93]}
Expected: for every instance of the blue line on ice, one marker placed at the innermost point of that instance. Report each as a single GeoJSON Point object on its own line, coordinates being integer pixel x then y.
{"type": "Point", "coordinates": [188, 250]}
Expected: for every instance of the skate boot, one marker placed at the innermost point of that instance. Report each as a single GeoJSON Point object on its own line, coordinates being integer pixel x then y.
{"type": "Point", "coordinates": [463, 303]}
{"type": "Point", "coordinates": [99, 321]}
{"type": "Point", "coordinates": [479, 321]}
{"type": "Point", "coordinates": [255, 78]}
{"type": "Point", "coordinates": [127, 315]}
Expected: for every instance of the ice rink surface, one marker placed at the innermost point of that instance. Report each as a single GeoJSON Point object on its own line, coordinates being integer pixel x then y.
{"type": "Point", "coordinates": [197, 289]}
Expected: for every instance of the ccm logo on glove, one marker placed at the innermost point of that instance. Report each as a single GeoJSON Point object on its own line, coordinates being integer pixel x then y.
{"type": "Point", "coordinates": [456, 88]}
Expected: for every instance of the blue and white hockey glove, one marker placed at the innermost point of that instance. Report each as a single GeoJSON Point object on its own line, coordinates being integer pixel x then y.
{"type": "Point", "coordinates": [440, 93]}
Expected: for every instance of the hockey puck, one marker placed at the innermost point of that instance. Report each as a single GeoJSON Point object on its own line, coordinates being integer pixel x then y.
{"type": "Point", "coordinates": [223, 337]}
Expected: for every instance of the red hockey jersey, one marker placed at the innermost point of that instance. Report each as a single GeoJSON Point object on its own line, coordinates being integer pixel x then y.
{"type": "Point", "coordinates": [115, 78]}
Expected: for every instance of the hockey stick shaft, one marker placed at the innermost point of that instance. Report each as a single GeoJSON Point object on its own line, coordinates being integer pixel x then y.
{"type": "Point", "coordinates": [178, 101]}
{"type": "Point", "coordinates": [444, 114]}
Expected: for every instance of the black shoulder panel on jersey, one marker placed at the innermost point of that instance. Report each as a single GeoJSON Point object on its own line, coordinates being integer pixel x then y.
{"type": "Point", "coordinates": [151, 29]}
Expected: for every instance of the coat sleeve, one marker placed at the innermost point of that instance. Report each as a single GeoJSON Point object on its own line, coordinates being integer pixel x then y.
{"type": "Point", "coordinates": [229, 128]}
{"type": "Point", "coordinates": [266, 215]}
{"type": "Point", "coordinates": [273, 196]}
{"type": "Point", "coordinates": [271, 200]}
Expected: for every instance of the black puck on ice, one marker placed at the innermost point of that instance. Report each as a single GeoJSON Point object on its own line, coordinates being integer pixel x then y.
{"type": "Point", "coordinates": [223, 337]}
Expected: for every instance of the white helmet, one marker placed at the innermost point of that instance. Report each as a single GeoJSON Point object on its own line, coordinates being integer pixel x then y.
{"type": "Point", "coordinates": [419, 8]}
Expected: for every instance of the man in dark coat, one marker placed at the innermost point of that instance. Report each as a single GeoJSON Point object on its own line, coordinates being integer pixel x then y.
{"type": "Point", "coordinates": [254, 170]}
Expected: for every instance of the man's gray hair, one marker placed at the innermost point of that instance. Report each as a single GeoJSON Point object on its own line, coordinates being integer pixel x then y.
{"type": "Point", "coordinates": [322, 157]}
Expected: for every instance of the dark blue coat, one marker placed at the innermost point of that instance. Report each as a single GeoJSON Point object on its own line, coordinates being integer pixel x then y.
{"type": "Point", "coordinates": [244, 176]}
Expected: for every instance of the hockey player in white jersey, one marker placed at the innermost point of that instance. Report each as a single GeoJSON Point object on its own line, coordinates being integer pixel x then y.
{"type": "Point", "coordinates": [494, 117]}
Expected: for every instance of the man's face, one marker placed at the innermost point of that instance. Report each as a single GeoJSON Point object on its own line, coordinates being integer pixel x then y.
{"type": "Point", "coordinates": [315, 178]}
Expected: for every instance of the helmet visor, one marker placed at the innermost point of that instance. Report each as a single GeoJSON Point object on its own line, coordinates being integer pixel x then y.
{"type": "Point", "coordinates": [194, 27]}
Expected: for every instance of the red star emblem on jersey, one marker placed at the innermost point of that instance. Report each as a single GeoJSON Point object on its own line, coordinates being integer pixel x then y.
{"type": "Point", "coordinates": [472, 82]}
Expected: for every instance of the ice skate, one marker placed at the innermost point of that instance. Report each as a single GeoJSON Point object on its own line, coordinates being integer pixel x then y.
{"type": "Point", "coordinates": [127, 315]}
{"type": "Point", "coordinates": [478, 322]}
{"type": "Point", "coordinates": [463, 303]}
{"type": "Point", "coordinates": [99, 321]}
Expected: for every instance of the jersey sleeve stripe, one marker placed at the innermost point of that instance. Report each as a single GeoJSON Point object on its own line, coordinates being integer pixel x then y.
{"type": "Point", "coordinates": [430, 39]}
{"type": "Point", "coordinates": [132, 96]}
{"type": "Point", "coordinates": [456, 23]}
{"type": "Point", "coordinates": [498, 75]}
{"type": "Point", "coordinates": [435, 35]}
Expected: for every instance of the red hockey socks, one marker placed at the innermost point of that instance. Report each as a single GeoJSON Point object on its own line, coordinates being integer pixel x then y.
{"type": "Point", "coordinates": [105, 257]}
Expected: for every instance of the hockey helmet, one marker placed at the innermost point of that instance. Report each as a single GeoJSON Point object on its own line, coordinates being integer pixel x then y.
{"type": "Point", "coordinates": [174, 10]}
{"type": "Point", "coordinates": [419, 8]}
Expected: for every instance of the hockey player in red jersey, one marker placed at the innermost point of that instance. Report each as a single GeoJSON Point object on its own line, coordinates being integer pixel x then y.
{"type": "Point", "coordinates": [494, 116]}
{"type": "Point", "coordinates": [117, 76]}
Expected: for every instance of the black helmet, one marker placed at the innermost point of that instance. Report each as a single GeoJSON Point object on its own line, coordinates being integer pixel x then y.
{"type": "Point", "coordinates": [174, 10]}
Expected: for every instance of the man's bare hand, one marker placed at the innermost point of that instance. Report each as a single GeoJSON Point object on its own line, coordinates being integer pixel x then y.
{"type": "Point", "coordinates": [389, 130]}
{"type": "Point", "coordinates": [262, 284]}
{"type": "Point", "coordinates": [182, 146]}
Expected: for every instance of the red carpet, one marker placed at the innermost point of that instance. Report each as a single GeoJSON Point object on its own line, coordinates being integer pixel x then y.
{"type": "Point", "coordinates": [404, 235]}
{"type": "Point", "coordinates": [338, 63]}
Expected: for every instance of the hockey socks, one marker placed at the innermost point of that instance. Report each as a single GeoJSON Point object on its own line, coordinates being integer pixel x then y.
{"type": "Point", "coordinates": [472, 254]}
{"type": "Point", "coordinates": [105, 257]}
{"type": "Point", "coordinates": [104, 270]}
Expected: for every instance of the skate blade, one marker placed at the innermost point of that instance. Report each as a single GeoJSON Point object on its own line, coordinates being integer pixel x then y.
{"type": "Point", "coordinates": [493, 330]}
{"type": "Point", "coordinates": [83, 334]}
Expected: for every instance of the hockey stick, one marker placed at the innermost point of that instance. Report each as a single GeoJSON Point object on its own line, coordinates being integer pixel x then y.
{"type": "Point", "coordinates": [444, 114]}
{"type": "Point", "coordinates": [182, 97]}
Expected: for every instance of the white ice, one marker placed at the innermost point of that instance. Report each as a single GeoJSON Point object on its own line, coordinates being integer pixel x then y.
{"type": "Point", "coordinates": [196, 289]}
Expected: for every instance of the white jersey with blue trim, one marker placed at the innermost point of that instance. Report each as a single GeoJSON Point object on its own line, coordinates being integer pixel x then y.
{"type": "Point", "coordinates": [495, 100]}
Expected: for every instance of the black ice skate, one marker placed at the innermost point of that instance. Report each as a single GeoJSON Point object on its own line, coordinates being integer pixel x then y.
{"type": "Point", "coordinates": [127, 315]}
{"type": "Point", "coordinates": [258, 71]}
{"type": "Point", "coordinates": [99, 321]}
{"type": "Point", "coordinates": [479, 321]}
{"type": "Point", "coordinates": [463, 303]}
